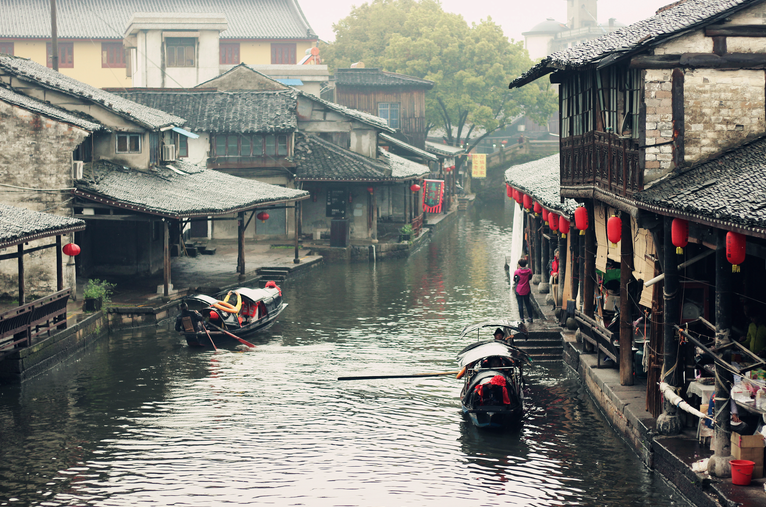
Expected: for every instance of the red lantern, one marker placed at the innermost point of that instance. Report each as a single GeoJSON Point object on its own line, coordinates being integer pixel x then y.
{"type": "Point", "coordinates": [736, 247]}
{"type": "Point", "coordinates": [262, 216]}
{"type": "Point", "coordinates": [71, 249]}
{"type": "Point", "coordinates": [370, 189]}
{"type": "Point", "coordinates": [553, 221]}
{"type": "Point", "coordinates": [509, 191]}
{"type": "Point", "coordinates": [581, 219]}
{"type": "Point", "coordinates": [546, 214]}
{"type": "Point", "coordinates": [614, 229]}
{"type": "Point", "coordinates": [679, 232]}
{"type": "Point", "coordinates": [517, 195]}
{"type": "Point", "coordinates": [415, 187]}
{"type": "Point", "coordinates": [539, 209]}
{"type": "Point", "coordinates": [527, 201]}
{"type": "Point", "coordinates": [564, 227]}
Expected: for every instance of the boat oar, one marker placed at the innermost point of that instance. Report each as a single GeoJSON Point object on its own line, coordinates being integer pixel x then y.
{"type": "Point", "coordinates": [243, 342]}
{"type": "Point", "coordinates": [211, 339]}
{"type": "Point", "coordinates": [413, 375]}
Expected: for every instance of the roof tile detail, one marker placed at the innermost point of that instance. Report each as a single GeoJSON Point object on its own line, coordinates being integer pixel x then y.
{"type": "Point", "coordinates": [378, 78]}
{"type": "Point", "coordinates": [541, 180]}
{"type": "Point", "coordinates": [18, 225]}
{"type": "Point", "coordinates": [34, 105]}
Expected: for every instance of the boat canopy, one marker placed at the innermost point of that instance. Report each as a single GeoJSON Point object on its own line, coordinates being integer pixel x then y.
{"type": "Point", "coordinates": [504, 323]}
{"type": "Point", "coordinates": [490, 348]}
{"type": "Point", "coordinates": [255, 295]}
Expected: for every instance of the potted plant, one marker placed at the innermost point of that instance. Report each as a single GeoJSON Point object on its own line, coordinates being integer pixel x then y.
{"type": "Point", "coordinates": [405, 233]}
{"type": "Point", "coordinates": [97, 292]}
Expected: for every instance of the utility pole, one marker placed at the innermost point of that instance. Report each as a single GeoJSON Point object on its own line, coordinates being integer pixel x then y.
{"type": "Point", "coordinates": [54, 38]}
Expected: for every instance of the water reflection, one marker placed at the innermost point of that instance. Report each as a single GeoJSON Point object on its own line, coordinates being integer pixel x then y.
{"type": "Point", "coordinates": [140, 418]}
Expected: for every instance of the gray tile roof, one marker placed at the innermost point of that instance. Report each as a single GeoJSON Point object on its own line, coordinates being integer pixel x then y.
{"type": "Point", "coordinates": [444, 150]}
{"type": "Point", "coordinates": [730, 189]}
{"type": "Point", "coordinates": [541, 180]}
{"type": "Point", "coordinates": [190, 191]}
{"type": "Point", "coordinates": [369, 119]}
{"type": "Point", "coordinates": [413, 150]}
{"type": "Point", "coordinates": [673, 20]}
{"type": "Point", "coordinates": [215, 112]}
{"type": "Point", "coordinates": [320, 160]}
{"type": "Point", "coordinates": [34, 105]}
{"type": "Point", "coordinates": [19, 225]}
{"type": "Point", "coordinates": [35, 73]}
{"type": "Point", "coordinates": [379, 78]}
{"type": "Point", "coordinates": [402, 168]}
{"type": "Point", "coordinates": [108, 19]}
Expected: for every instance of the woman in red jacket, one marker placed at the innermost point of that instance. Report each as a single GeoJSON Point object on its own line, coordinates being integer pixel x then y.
{"type": "Point", "coordinates": [521, 279]}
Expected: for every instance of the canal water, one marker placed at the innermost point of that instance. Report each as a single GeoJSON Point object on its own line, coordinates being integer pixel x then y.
{"type": "Point", "coordinates": [140, 419]}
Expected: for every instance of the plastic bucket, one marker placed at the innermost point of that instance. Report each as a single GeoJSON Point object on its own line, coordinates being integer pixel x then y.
{"type": "Point", "coordinates": [741, 471]}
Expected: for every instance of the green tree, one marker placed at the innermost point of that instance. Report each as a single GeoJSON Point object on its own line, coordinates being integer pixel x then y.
{"type": "Point", "coordinates": [471, 66]}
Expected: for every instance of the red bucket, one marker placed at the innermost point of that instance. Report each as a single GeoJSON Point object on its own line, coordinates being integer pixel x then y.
{"type": "Point", "coordinates": [741, 471]}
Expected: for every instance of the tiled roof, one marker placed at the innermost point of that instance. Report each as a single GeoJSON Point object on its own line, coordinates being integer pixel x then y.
{"type": "Point", "coordinates": [731, 189]}
{"type": "Point", "coordinates": [19, 225]}
{"type": "Point", "coordinates": [208, 111]}
{"type": "Point", "coordinates": [186, 192]}
{"type": "Point", "coordinates": [320, 160]}
{"type": "Point", "coordinates": [408, 147]}
{"type": "Point", "coordinates": [369, 119]}
{"type": "Point", "coordinates": [541, 180]}
{"type": "Point", "coordinates": [444, 150]}
{"type": "Point", "coordinates": [675, 19]}
{"type": "Point", "coordinates": [402, 168]}
{"type": "Point", "coordinates": [35, 73]}
{"type": "Point", "coordinates": [378, 78]}
{"type": "Point", "coordinates": [34, 105]}
{"type": "Point", "coordinates": [101, 19]}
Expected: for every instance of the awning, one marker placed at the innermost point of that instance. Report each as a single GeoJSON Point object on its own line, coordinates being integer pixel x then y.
{"type": "Point", "coordinates": [185, 133]}
{"type": "Point", "coordinates": [290, 82]}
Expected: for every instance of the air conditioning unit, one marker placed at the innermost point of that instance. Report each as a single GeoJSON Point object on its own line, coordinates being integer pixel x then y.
{"type": "Point", "coordinates": [77, 169]}
{"type": "Point", "coordinates": [168, 153]}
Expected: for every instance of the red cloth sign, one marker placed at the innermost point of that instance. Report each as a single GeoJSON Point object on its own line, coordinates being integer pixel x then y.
{"type": "Point", "coordinates": [433, 196]}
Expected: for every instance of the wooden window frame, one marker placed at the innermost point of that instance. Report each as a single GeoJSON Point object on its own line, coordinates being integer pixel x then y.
{"type": "Point", "coordinates": [389, 107]}
{"type": "Point", "coordinates": [114, 51]}
{"type": "Point", "coordinates": [7, 48]}
{"type": "Point", "coordinates": [66, 55]}
{"type": "Point", "coordinates": [280, 147]}
{"type": "Point", "coordinates": [278, 50]}
{"type": "Point", "coordinates": [183, 146]}
{"type": "Point", "coordinates": [228, 53]}
{"type": "Point", "coordinates": [128, 136]}
{"type": "Point", "coordinates": [173, 44]}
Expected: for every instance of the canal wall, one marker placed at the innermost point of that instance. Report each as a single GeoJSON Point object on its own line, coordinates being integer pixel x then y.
{"type": "Point", "coordinates": [23, 364]}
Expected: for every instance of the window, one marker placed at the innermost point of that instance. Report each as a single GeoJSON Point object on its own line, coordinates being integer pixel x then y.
{"type": "Point", "coordinates": [577, 105]}
{"type": "Point", "coordinates": [229, 53]}
{"type": "Point", "coordinates": [257, 146]}
{"type": "Point", "coordinates": [389, 111]}
{"type": "Point", "coordinates": [283, 53]}
{"type": "Point", "coordinates": [6, 48]}
{"type": "Point", "coordinates": [282, 145]}
{"type": "Point", "coordinates": [251, 146]}
{"type": "Point", "coordinates": [183, 146]}
{"type": "Point", "coordinates": [66, 55]}
{"type": "Point", "coordinates": [271, 146]}
{"type": "Point", "coordinates": [180, 51]}
{"type": "Point", "coordinates": [128, 143]}
{"type": "Point", "coordinates": [112, 55]}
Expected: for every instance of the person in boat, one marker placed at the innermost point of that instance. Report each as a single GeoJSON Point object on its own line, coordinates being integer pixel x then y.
{"type": "Point", "coordinates": [189, 321]}
{"type": "Point", "coordinates": [499, 334]}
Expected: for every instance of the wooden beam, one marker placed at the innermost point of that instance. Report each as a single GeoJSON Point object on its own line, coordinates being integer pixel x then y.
{"type": "Point", "coordinates": [166, 257]}
{"type": "Point", "coordinates": [241, 243]}
{"type": "Point", "coordinates": [21, 273]}
{"type": "Point", "coordinates": [729, 30]}
{"type": "Point", "coordinates": [700, 60]}
{"type": "Point", "coordinates": [297, 259]}
{"type": "Point", "coordinates": [29, 251]}
{"type": "Point", "coordinates": [626, 326]}
{"type": "Point", "coordinates": [59, 265]}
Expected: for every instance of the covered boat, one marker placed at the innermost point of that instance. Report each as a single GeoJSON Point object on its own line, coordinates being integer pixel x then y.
{"type": "Point", "coordinates": [205, 320]}
{"type": "Point", "coordinates": [492, 395]}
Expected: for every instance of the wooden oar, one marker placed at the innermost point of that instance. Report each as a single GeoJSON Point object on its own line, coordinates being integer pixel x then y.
{"type": "Point", "coordinates": [244, 342]}
{"type": "Point", "coordinates": [211, 338]}
{"type": "Point", "coordinates": [413, 375]}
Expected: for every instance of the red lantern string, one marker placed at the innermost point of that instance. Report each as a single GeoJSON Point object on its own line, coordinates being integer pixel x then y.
{"type": "Point", "coordinates": [553, 221]}
{"type": "Point", "coordinates": [415, 187]}
{"type": "Point", "coordinates": [509, 191]}
{"type": "Point", "coordinates": [581, 219]}
{"type": "Point", "coordinates": [546, 215]}
{"type": "Point", "coordinates": [614, 229]}
{"type": "Point", "coordinates": [517, 196]}
{"type": "Point", "coordinates": [527, 201]}
{"type": "Point", "coordinates": [71, 249]}
{"type": "Point", "coordinates": [564, 227]}
{"type": "Point", "coordinates": [262, 216]}
{"type": "Point", "coordinates": [679, 232]}
{"type": "Point", "coordinates": [539, 209]}
{"type": "Point", "coordinates": [736, 248]}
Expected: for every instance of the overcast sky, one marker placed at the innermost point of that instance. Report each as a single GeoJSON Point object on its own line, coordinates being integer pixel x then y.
{"type": "Point", "coordinates": [515, 16]}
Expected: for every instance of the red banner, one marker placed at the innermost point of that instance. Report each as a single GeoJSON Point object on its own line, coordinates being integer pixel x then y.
{"type": "Point", "coordinates": [433, 196]}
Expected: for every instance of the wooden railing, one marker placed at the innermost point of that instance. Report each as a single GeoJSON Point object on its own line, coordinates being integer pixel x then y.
{"type": "Point", "coordinates": [21, 325]}
{"type": "Point", "coordinates": [417, 224]}
{"type": "Point", "coordinates": [603, 160]}
{"type": "Point", "coordinates": [598, 336]}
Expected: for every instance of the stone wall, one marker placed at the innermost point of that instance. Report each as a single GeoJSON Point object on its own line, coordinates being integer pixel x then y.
{"type": "Point", "coordinates": [36, 153]}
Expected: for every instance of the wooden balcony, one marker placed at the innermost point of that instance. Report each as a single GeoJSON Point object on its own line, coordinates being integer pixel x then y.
{"type": "Point", "coordinates": [21, 325]}
{"type": "Point", "coordinates": [601, 160]}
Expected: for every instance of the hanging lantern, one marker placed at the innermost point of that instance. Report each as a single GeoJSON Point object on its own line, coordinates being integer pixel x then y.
{"type": "Point", "coordinates": [679, 232]}
{"type": "Point", "coordinates": [517, 196]}
{"type": "Point", "coordinates": [546, 214]}
{"type": "Point", "coordinates": [527, 202]}
{"type": "Point", "coordinates": [553, 221]}
{"type": "Point", "coordinates": [539, 209]}
{"type": "Point", "coordinates": [71, 249]}
{"type": "Point", "coordinates": [262, 216]}
{"type": "Point", "coordinates": [736, 247]}
{"type": "Point", "coordinates": [370, 189]}
{"type": "Point", "coordinates": [415, 187]}
{"type": "Point", "coordinates": [509, 191]}
{"type": "Point", "coordinates": [614, 229]}
{"type": "Point", "coordinates": [581, 219]}
{"type": "Point", "coordinates": [564, 227]}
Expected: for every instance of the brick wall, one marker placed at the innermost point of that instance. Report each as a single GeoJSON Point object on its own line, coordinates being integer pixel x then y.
{"type": "Point", "coordinates": [36, 153]}
{"type": "Point", "coordinates": [659, 123]}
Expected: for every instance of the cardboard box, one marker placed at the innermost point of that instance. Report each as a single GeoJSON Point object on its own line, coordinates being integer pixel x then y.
{"type": "Point", "coordinates": [746, 440]}
{"type": "Point", "coordinates": [757, 472]}
{"type": "Point", "coordinates": [749, 447]}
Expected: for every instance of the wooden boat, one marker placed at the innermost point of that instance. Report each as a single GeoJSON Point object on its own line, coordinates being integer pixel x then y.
{"type": "Point", "coordinates": [209, 320]}
{"type": "Point", "coordinates": [492, 395]}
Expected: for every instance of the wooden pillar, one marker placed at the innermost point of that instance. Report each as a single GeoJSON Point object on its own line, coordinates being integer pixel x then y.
{"type": "Point", "coordinates": [22, 286]}
{"type": "Point", "coordinates": [538, 248]}
{"type": "Point", "coordinates": [562, 269]}
{"type": "Point", "coordinates": [719, 465]}
{"type": "Point", "coordinates": [166, 256]}
{"type": "Point", "coordinates": [241, 243]}
{"type": "Point", "coordinates": [589, 271]}
{"type": "Point", "coordinates": [296, 210]}
{"type": "Point", "coordinates": [581, 267]}
{"type": "Point", "coordinates": [626, 322]}
{"type": "Point", "coordinates": [668, 423]}
{"type": "Point", "coordinates": [544, 287]}
{"type": "Point", "coordinates": [59, 265]}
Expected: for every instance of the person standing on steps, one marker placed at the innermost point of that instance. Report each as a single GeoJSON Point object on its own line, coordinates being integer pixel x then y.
{"type": "Point", "coordinates": [521, 278]}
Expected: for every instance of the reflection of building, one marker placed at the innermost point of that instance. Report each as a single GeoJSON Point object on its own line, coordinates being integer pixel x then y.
{"type": "Point", "coordinates": [581, 25]}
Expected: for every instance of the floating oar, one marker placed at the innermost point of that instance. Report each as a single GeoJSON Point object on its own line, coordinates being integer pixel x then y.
{"type": "Point", "coordinates": [244, 342]}
{"type": "Point", "coordinates": [211, 338]}
{"type": "Point", "coordinates": [413, 375]}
